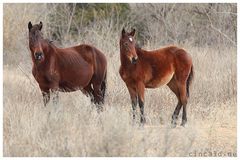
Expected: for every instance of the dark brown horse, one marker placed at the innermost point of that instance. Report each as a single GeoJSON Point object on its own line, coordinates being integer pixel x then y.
{"type": "Point", "coordinates": [81, 67]}
{"type": "Point", "coordinates": [142, 69]}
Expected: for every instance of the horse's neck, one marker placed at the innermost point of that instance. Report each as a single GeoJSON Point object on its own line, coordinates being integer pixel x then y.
{"type": "Point", "coordinates": [125, 62]}
{"type": "Point", "coordinates": [140, 52]}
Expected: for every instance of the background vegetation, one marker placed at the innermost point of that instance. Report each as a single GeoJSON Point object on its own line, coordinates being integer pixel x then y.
{"type": "Point", "coordinates": [74, 128]}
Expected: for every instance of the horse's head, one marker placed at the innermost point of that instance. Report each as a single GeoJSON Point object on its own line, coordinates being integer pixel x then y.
{"type": "Point", "coordinates": [127, 45]}
{"type": "Point", "coordinates": [35, 41]}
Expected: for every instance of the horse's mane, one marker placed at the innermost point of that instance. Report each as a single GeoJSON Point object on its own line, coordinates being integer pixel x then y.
{"type": "Point", "coordinates": [138, 49]}
{"type": "Point", "coordinates": [50, 42]}
{"type": "Point", "coordinates": [138, 46]}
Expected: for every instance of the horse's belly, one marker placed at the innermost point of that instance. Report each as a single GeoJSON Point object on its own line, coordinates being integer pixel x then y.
{"type": "Point", "coordinates": [160, 81]}
{"type": "Point", "coordinates": [75, 80]}
{"type": "Point", "coordinates": [68, 87]}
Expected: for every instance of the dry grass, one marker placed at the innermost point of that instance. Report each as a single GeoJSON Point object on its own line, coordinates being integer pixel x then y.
{"type": "Point", "coordinates": [74, 128]}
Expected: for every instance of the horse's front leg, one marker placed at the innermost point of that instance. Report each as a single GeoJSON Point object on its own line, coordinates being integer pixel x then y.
{"type": "Point", "coordinates": [46, 97]}
{"type": "Point", "coordinates": [55, 95]}
{"type": "Point", "coordinates": [45, 93]}
{"type": "Point", "coordinates": [140, 92]}
{"type": "Point", "coordinates": [133, 95]}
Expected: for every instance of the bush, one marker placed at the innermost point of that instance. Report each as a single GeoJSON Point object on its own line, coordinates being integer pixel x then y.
{"type": "Point", "coordinates": [71, 20]}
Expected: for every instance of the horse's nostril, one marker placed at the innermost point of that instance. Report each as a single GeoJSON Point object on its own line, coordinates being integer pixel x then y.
{"type": "Point", "coordinates": [134, 60]}
{"type": "Point", "coordinates": [38, 55]}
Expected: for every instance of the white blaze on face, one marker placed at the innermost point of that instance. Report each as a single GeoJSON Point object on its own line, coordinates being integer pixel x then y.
{"type": "Point", "coordinates": [130, 39]}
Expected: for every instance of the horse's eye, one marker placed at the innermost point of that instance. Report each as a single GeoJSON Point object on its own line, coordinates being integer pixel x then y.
{"type": "Point", "coordinates": [31, 43]}
{"type": "Point", "coordinates": [125, 44]}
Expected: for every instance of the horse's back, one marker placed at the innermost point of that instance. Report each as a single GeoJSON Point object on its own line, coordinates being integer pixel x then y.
{"type": "Point", "coordinates": [177, 52]}
{"type": "Point", "coordinates": [179, 56]}
{"type": "Point", "coordinates": [95, 57]}
{"type": "Point", "coordinates": [173, 53]}
{"type": "Point", "coordinates": [168, 50]}
{"type": "Point", "coordinates": [90, 52]}
{"type": "Point", "coordinates": [84, 52]}
{"type": "Point", "coordinates": [163, 64]}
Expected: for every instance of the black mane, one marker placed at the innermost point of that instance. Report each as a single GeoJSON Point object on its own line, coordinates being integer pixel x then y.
{"type": "Point", "coordinates": [50, 42]}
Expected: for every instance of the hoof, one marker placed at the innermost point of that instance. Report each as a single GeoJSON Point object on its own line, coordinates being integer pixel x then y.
{"type": "Point", "coordinates": [99, 108]}
{"type": "Point", "coordinates": [134, 122]}
{"type": "Point", "coordinates": [183, 124]}
{"type": "Point", "coordinates": [173, 125]}
{"type": "Point", "coordinates": [143, 120]}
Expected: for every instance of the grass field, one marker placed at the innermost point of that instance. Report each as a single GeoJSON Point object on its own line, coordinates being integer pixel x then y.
{"type": "Point", "coordinates": [74, 128]}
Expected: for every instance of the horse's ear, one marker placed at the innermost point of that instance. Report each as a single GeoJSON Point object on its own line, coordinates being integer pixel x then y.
{"type": "Point", "coordinates": [123, 31]}
{"type": "Point", "coordinates": [29, 25]}
{"type": "Point", "coordinates": [132, 33]}
{"type": "Point", "coordinates": [40, 25]}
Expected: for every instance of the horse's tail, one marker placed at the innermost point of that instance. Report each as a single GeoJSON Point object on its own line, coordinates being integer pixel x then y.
{"type": "Point", "coordinates": [104, 86]}
{"type": "Point", "coordinates": [189, 80]}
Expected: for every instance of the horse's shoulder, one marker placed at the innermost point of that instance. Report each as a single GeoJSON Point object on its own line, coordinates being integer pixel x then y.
{"type": "Point", "coordinates": [122, 73]}
{"type": "Point", "coordinates": [34, 71]}
{"type": "Point", "coordinates": [142, 53]}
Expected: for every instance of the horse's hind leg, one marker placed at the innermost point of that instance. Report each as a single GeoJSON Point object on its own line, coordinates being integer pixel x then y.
{"type": "Point", "coordinates": [104, 86]}
{"type": "Point", "coordinates": [176, 113]}
{"type": "Point", "coordinates": [173, 86]}
{"type": "Point", "coordinates": [88, 91]}
{"type": "Point", "coordinates": [97, 94]}
{"type": "Point", "coordinates": [183, 98]}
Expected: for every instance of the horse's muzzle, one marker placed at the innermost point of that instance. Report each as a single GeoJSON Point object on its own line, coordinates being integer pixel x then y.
{"type": "Point", "coordinates": [134, 60]}
{"type": "Point", "coordinates": [38, 55]}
